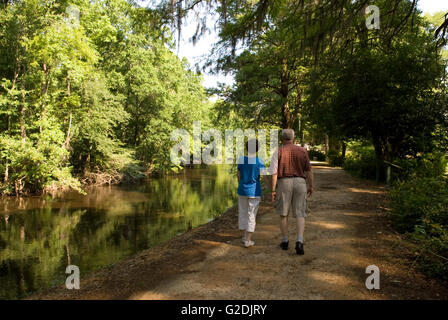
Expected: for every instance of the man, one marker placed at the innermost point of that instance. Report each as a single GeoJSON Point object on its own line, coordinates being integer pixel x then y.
{"type": "Point", "coordinates": [292, 174]}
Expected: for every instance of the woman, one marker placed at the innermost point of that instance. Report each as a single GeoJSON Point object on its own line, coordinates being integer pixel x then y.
{"type": "Point", "coordinates": [249, 191]}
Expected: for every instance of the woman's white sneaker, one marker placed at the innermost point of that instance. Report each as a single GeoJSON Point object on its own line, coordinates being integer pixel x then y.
{"type": "Point", "coordinates": [248, 244]}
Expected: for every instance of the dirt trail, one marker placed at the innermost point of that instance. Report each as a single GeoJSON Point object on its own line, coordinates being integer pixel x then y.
{"type": "Point", "coordinates": [347, 230]}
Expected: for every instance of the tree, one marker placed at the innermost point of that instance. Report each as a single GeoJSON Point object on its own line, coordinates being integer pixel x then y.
{"type": "Point", "coordinates": [386, 92]}
{"type": "Point", "coordinates": [90, 100]}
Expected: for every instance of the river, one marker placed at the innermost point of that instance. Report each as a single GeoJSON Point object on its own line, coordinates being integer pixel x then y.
{"type": "Point", "coordinates": [41, 235]}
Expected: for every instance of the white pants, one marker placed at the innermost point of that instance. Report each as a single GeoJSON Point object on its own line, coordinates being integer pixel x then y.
{"type": "Point", "coordinates": [247, 212]}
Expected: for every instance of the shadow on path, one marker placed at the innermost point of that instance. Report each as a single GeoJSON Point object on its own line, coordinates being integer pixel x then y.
{"type": "Point", "coordinates": [347, 230]}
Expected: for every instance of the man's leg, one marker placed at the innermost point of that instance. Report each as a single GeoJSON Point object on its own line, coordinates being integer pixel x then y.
{"type": "Point", "coordinates": [300, 221]}
{"type": "Point", "coordinates": [284, 230]}
{"type": "Point", "coordinates": [282, 206]}
{"type": "Point", "coordinates": [299, 209]}
{"type": "Point", "coordinates": [284, 227]}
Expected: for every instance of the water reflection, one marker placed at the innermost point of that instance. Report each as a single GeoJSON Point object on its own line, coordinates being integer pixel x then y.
{"type": "Point", "coordinates": [40, 236]}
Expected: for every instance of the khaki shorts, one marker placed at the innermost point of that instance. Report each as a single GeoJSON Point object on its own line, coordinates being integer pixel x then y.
{"type": "Point", "coordinates": [291, 193]}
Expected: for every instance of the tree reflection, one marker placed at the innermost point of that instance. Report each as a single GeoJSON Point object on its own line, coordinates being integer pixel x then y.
{"type": "Point", "coordinates": [39, 237]}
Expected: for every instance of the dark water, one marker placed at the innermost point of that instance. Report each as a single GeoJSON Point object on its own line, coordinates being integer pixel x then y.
{"type": "Point", "coordinates": [40, 236]}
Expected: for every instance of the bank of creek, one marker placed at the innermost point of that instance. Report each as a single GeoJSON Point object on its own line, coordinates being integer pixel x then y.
{"type": "Point", "coordinates": [347, 230]}
{"type": "Point", "coordinates": [41, 235]}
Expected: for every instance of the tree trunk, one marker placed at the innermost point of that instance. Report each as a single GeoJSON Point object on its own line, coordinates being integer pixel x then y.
{"type": "Point", "coordinates": [334, 143]}
{"type": "Point", "coordinates": [22, 119]}
{"type": "Point", "coordinates": [44, 90]}
{"type": "Point", "coordinates": [87, 164]}
{"type": "Point", "coordinates": [136, 129]}
{"type": "Point", "coordinates": [14, 80]}
{"type": "Point", "coordinates": [6, 171]}
{"type": "Point", "coordinates": [379, 157]}
{"type": "Point", "coordinates": [7, 160]}
{"type": "Point", "coordinates": [300, 131]}
{"type": "Point", "coordinates": [67, 139]}
{"type": "Point", "coordinates": [388, 156]}
{"type": "Point", "coordinates": [344, 149]}
{"type": "Point", "coordinates": [298, 115]}
{"type": "Point", "coordinates": [284, 90]}
{"type": "Point", "coordinates": [286, 120]}
{"type": "Point", "coordinates": [67, 248]}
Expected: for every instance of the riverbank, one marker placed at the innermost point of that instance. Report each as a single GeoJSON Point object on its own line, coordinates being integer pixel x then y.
{"type": "Point", "coordinates": [347, 230]}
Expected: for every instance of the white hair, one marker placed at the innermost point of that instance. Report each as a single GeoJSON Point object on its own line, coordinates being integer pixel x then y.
{"type": "Point", "coordinates": [288, 134]}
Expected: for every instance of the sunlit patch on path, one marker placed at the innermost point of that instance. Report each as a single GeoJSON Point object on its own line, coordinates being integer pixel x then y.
{"type": "Point", "coordinates": [346, 232]}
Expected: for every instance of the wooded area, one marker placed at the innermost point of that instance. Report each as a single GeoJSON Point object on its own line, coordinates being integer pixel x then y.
{"type": "Point", "coordinates": [94, 100]}
{"type": "Point", "coordinates": [97, 99]}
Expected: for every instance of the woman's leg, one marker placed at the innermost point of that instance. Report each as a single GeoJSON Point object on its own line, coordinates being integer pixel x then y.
{"type": "Point", "coordinates": [242, 214]}
{"type": "Point", "coordinates": [253, 204]}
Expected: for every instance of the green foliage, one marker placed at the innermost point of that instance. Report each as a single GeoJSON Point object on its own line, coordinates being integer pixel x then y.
{"type": "Point", "coordinates": [95, 99]}
{"type": "Point", "coordinates": [340, 81]}
{"type": "Point", "coordinates": [418, 198]}
{"type": "Point", "coordinates": [419, 203]}
{"type": "Point", "coordinates": [363, 93]}
{"type": "Point", "coordinates": [103, 227]}
{"type": "Point", "coordinates": [360, 160]}
{"type": "Point", "coordinates": [420, 191]}
{"type": "Point", "coordinates": [436, 20]}
{"type": "Point", "coordinates": [433, 256]}
{"type": "Point", "coordinates": [316, 155]}
{"type": "Point", "coordinates": [396, 109]}
{"type": "Point", "coordinates": [426, 165]}
{"type": "Point", "coordinates": [34, 167]}
{"type": "Point", "coordinates": [335, 158]}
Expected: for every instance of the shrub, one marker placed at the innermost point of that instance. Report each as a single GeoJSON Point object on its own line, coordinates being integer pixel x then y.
{"type": "Point", "coordinates": [433, 240]}
{"type": "Point", "coordinates": [433, 257]}
{"type": "Point", "coordinates": [361, 161]}
{"type": "Point", "coordinates": [416, 198]}
{"type": "Point", "coordinates": [335, 159]}
{"type": "Point", "coordinates": [316, 155]}
{"type": "Point", "coordinates": [420, 207]}
{"type": "Point", "coordinates": [34, 167]}
{"type": "Point", "coordinates": [420, 191]}
{"type": "Point", "coordinates": [428, 165]}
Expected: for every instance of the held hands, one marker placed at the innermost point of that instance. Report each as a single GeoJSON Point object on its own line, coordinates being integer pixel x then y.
{"type": "Point", "coordinates": [273, 194]}
{"type": "Point", "coordinates": [309, 192]}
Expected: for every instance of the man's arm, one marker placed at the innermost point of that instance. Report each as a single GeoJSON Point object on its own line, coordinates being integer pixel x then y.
{"type": "Point", "coordinates": [310, 181]}
{"type": "Point", "coordinates": [273, 171]}
{"type": "Point", "coordinates": [309, 175]}
{"type": "Point", "coordinates": [239, 176]}
{"type": "Point", "coordinates": [273, 186]}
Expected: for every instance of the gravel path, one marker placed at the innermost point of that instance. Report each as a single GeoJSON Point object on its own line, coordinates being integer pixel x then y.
{"type": "Point", "coordinates": [347, 230]}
